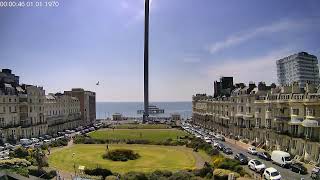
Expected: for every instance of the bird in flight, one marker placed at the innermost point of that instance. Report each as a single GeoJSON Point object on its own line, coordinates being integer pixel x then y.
{"type": "Point", "coordinates": [98, 83]}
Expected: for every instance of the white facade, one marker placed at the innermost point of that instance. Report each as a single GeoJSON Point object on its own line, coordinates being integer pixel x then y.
{"type": "Point", "coordinates": [62, 112]}
{"type": "Point", "coordinates": [301, 67]}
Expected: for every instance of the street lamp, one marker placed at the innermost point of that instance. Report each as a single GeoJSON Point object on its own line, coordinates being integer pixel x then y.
{"type": "Point", "coordinates": [74, 164]}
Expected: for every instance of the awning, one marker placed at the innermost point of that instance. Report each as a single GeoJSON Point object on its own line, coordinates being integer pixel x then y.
{"type": "Point", "coordinates": [310, 123]}
{"type": "Point", "coordinates": [295, 121]}
{"type": "Point", "coordinates": [239, 115]}
{"type": "Point", "coordinates": [223, 117]}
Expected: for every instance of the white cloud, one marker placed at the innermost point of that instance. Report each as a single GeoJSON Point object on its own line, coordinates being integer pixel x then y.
{"type": "Point", "coordinates": [242, 37]}
{"type": "Point", "coordinates": [255, 69]}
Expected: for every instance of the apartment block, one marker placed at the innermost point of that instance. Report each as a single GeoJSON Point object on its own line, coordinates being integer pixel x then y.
{"type": "Point", "coordinates": [62, 112]}
{"type": "Point", "coordinates": [21, 108]}
{"type": "Point", "coordinates": [26, 112]}
{"type": "Point", "coordinates": [87, 104]}
{"type": "Point", "coordinates": [301, 68]}
{"type": "Point", "coordinates": [274, 118]}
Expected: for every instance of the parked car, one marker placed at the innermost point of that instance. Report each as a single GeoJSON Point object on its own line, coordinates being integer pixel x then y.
{"type": "Point", "coordinates": [298, 168]}
{"type": "Point", "coordinates": [271, 174]}
{"type": "Point", "coordinates": [256, 165]}
{"type": "Point", "coordinates": [1, 148]}
{"type": "Point", "coordinates": [264, 155]}
{"type": "Point", "coordinates": [227, 150]}
{"type": "Point", "coordinates": [220, 137]}
{"type": "Point", "coordinates": [8, 146]}
{"type": "Point", "coordinates": [315, 173]}
{"type": "Point", "coordinates": [25, 142]}
{"type": "Point", "coordinates": [281, 158]}
{"type": "Point", "coordinates": [34, 140]}
{"type": "Point", "coordinates": [215, 144]}
{"type": "Point", "coordinates": [47, 137]}
{"type": "Point", "coordinates": [46, 141]}
{"type": "Point", "coordinates": [220, 146]}
{"type": "Point", "coordinates": [243, 159]}
{"type": "Point", "coordinates": [252, 150]}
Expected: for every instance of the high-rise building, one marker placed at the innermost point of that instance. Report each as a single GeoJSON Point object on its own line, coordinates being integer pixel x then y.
{"type": "Point", "coordinates": [87, 104]}
{"type": "Point", "coordinates": [301, 67]}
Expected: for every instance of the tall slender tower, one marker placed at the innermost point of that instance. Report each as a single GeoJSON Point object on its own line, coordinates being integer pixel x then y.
{"type": "Point", "coordinates": [146, 62]}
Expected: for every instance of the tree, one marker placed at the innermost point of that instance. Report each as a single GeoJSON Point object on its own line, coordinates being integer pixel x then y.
{"type": "Point", "coordinates": [40, 158]}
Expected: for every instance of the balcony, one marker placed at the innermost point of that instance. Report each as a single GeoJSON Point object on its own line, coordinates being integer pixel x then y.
{"type": "Point", "coordinates": [282, 118]}
{"type": "Point", "coordinates": [310, 123]}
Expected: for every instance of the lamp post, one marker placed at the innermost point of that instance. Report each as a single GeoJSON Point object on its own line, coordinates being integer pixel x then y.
{"type": "Point", "coordinates": [146, 62]}
{"type": "Point", "coordinates": [74, 164]}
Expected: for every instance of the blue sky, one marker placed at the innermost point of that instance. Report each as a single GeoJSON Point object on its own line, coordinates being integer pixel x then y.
{"type": "Point", "coordinates": [192, 43]}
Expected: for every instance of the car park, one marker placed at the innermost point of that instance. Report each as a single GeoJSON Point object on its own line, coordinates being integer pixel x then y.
{"type": "Point", "coordinates": [1, 148]}
{"type": "Point", "coordinates": [271, 174]}
{"type": "Point", "coordinates": [264, 155]}
{"type": "Point", "coordinates": [298, 168]}
{"type": "Point", "coordinates": [256, 165]}
{"type": "Point", "coordinates": [252, 150]}
{"type": "Point", "coordinates": [227, 150]}
{"type": "Point", "coordinates": [243, 159]}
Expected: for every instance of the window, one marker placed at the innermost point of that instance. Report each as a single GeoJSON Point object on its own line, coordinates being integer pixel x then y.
{"type": "Point", "coordinates": [295, 111]}
{"type": "Point", "coordinates": [4, 109]}
{"type": "Point", "coordinates": [9, 109]}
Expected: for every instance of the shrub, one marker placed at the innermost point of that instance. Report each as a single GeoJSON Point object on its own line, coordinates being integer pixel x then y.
{"type": "Point", "coordinates": [217, 160]}
{"type": "Point", "coordinates": [232, 165]}
{"type": "Point", "coordinates": [245, 141]}
{"type": "Point", "coordinates": [181, 175]}
{"type": "Point", "coordinates": [121, 155]}
{"type": "Point", "coordinates": [59, 142]}
{"type": "Point", "coordinates": [134, 176]}
{"type": "Point", "coordinates": [15, 162]}
{"type": "Point", "coordinates": [46, 173]}
{"type": "Point", "coordinates": [222, 174]}
{"type": "Point", "coordinates": [21, 171]}
{"type": "Point", "coordinates": [138, 141]}
{"type": "Point", "coordinates": [98, 172]}
{"type": "Point", "coordinates": [20, 153]}
{"type": "Point", "coordinates": [206, 171]}
{"type": "Point", "coordinates": [160, 174]}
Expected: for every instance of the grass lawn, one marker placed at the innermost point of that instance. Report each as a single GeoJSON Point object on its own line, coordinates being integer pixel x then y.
{"type": "Point", "coordinates": [154, 135]}
{"type": "Point", "coordinates": [142, 126]}
{"type": "Point", "coordinates": [152, 157]}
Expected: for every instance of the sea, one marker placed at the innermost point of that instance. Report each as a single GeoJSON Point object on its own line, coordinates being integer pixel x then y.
{"type": "Point", "coordinates": [129, 109]}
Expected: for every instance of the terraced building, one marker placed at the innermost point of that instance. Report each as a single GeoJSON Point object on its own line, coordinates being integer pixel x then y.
{"type": "Point", "coordinates": [274, 118]}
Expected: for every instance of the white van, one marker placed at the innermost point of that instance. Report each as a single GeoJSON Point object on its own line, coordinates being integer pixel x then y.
{"type": "Point", "coordinates": [281, 158]}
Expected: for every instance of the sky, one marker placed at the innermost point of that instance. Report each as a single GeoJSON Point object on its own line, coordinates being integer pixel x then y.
{"type": "Point", "coordinates": [192, 44]}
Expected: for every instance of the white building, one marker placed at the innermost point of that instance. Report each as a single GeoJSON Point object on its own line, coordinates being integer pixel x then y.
{"type": "Point", "coordinates": [301, 67]}
{"type": "Point", "coordinates": [62, 112]}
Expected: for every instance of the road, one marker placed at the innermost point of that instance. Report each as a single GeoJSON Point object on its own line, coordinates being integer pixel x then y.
{"type": "Point", "coordinates": [286, 174]}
